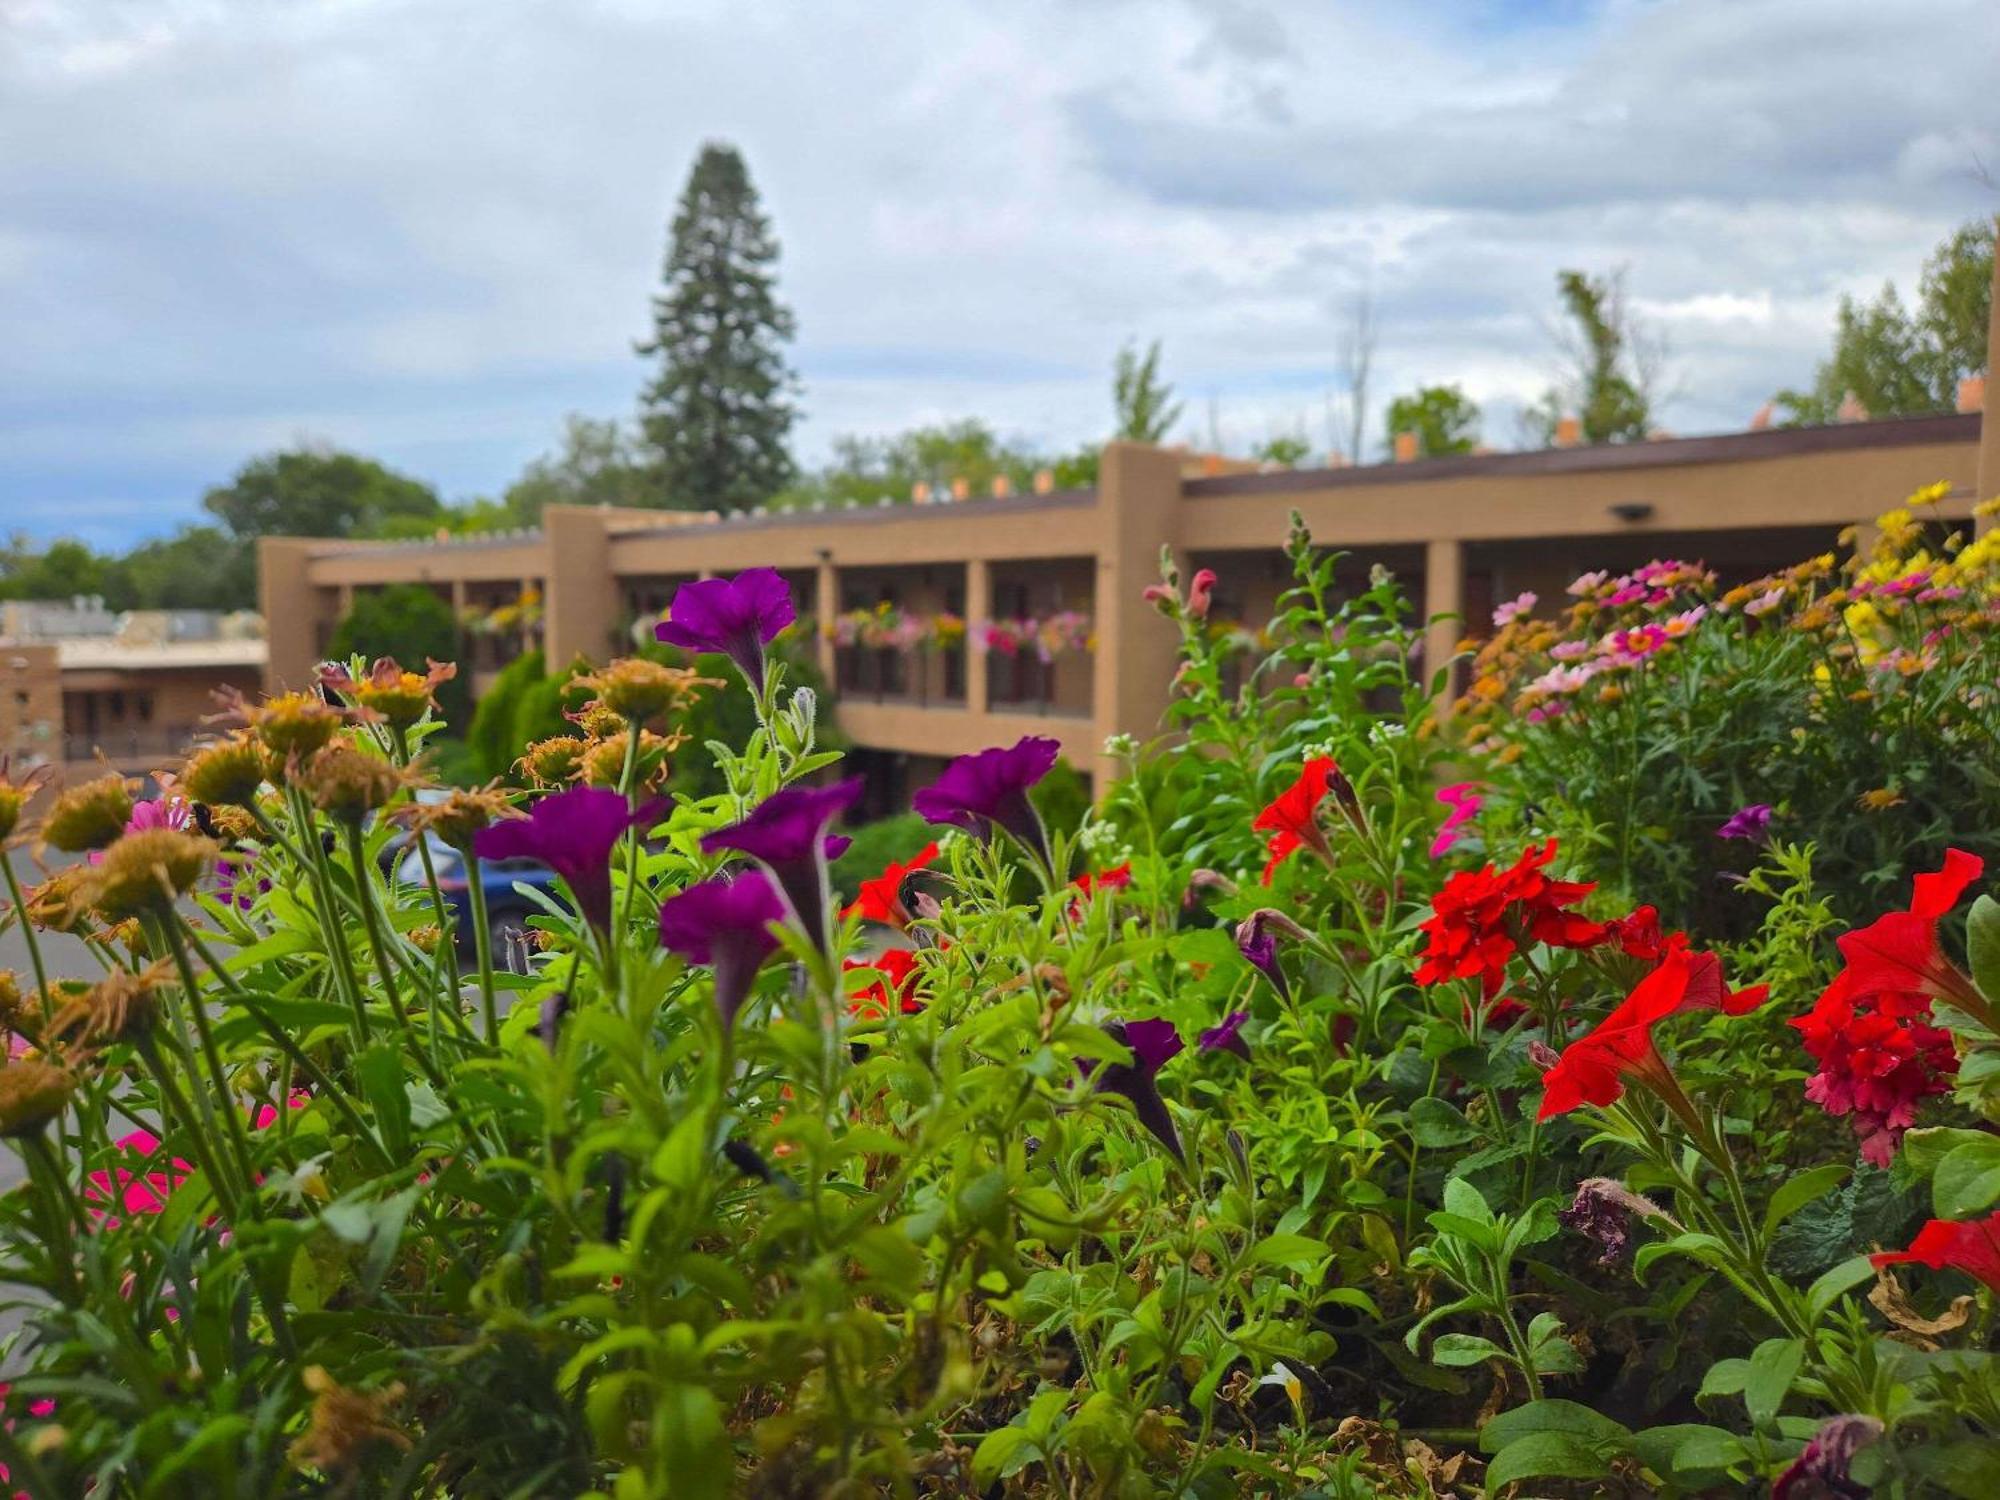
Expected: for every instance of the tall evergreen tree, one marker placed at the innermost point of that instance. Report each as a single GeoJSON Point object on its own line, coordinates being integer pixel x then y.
{"type": "Point", "coordinates": [717, 415]}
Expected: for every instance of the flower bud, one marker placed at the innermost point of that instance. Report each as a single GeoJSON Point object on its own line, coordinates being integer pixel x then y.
{"type": "Point", "coordinates": [32, 1093]}
{"type": "Point", "coordinates": [89, 816]}
{"type": "Point", "coordinates": [554, 761]}
{"type": "Point", "coordinates": [227, 773]}
{"type": "Point", "coordinates": [146, 873]}
{"type": "Point", "coordinates": [348, 783]}
{"type": "Point", "coordinates": [292, 724]}
{"type": "Point", "coordinates": [637, 689]}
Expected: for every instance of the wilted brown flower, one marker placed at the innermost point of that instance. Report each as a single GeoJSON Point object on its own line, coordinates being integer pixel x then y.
{"type": "Point", "coordinates": [56, 905]}
{"type": "Point", "coordinates": [638, 689]}
{"type": "Point", "coordinates": [229, 825]}
{"type": "Point", "coordinates": [291, 724]}
{"type": "Point", "coordinates": [553, 761]}
{"type": "Point", "coordinates": [595, 720]}
{"type": "Point", "coordinates": [15, 792]}
{"type": "Point", "coordinates": [146, 872]}
{"type": "Point", "coordinates": [227, 773]}
{"type": "Point", "coordinates": [120, 1007]}
{"type": "Point", "coordinates": [18, 1013]}
{"type": "Point", "coordinates": [425, 939]}
{"type": "Point", "coordinates": [388, 694]}
{"type": "Point", "coordinates": [90, 815]}
{"type": "Point", "coordinates": [32, 1093]}
{"type": "Point", "coordinates": [349, 782]}
{"type": "Point", "coordinates": [461, 813]}
{"type": "Point", "coordinates": [344, 1423]}
{"type": "Point", "coordinates": [604, 760]}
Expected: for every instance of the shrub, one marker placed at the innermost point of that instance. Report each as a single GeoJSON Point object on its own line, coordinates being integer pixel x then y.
{"type": "Point", "coordinates": [411, 623]}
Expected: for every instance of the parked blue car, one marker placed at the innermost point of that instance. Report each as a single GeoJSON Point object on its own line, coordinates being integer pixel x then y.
{"type": "Point", "coordinates": [507, 909]}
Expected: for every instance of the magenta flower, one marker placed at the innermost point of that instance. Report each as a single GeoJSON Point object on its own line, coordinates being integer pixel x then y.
{"type": "Point", "coordinates": [1750, 824]}
{"type": "Point", "coordinates": [786, 834]}
{"type": "Point", "coordinates": [725, 924]}
{"type": "Point", "coordinates": [1257, 940]}
{"type": "Point", "coordinates": [573, 833]}
{"type": "Point", "coordinates": [989, 791]}
{"type": "Point", "coordinates": [737, 616]}
{"type": "Point", "coordinates": [1153, 1044]}
{"type": "Point", "coordinates": [1228, 1037]}
{"type": "Point", "coordinates": [1463, 798]}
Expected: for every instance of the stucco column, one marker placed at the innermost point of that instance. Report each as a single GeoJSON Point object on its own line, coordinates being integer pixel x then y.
{"type": "Point", "coordinates": [291, 609]}
{"type": "Point", "coordinates": [978, 607]}
{"type": "Point", "coordinates": [1138, 507]}
{"type": "Point", "coordinates": [1444, 594]}
{"type": "Point", "coordinates": [579, 606]}
{"type": "Point", "coordinates": [1989, 420]}
{"type": "Point", "coordinates": [826, 606]}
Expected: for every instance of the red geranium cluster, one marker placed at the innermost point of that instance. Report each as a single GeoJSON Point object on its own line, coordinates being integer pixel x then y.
{"type": "Point", "coordinates": [1879, 1055]}
{"type": "Point", "coordinates": [1481, 919]}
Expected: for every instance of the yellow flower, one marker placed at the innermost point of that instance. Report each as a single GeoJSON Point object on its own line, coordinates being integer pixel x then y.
{"type": "Point", "coordinates": [227, 773]}
{"type": "Point", "coordinates": [1930, 494]}
{"type": "Point", "coordinates": [89, 816]}
{"type": "Point", "coordinates": [1879, 800]}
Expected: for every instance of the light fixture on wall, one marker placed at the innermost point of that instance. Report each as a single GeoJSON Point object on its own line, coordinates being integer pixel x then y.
{"type": "Point", "coordinates": [1632, 511]}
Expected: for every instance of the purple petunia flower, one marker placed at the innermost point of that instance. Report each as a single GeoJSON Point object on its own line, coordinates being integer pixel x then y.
{"type": "Point", "coordinates": [1750, 824]}
{"type": "Point", "coordinates": [1257, 940]}
{"type": "Point", "coordinates": [1154, 1044]}
{"type": "Point", "coordinates": [988, 791]}
{"type": "Point", "coordinates": [1824, 1468]}
{"type": "Point", "coordinates": [737, 616]}
{"type": "Point", "coordinates": [572, 833]}
{"type": "Point", "coordinates": [1228, 1037]}
{"type": "Point", "coordinates": [786, 834]}
{"type": "Point", "coordinates": [725, 924]}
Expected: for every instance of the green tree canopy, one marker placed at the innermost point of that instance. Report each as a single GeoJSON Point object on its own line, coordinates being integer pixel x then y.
{"type": "Point", "coordinates": [1444, 419]}
{"type": "Point", "coordinates": [717, 415]}
{"type": "Point", "coordinates": [598, 463]}
{"type": "Point", "coordinates": [1898, 362]}
{"type": "Point", "coordinates": [65, 569]}
{"type": "Point", "coordinates": [1611, 364]}
{"type": "Point", "coordinates": [318, 492]}
{"type": "Point", "coordinates": [1144, 403]}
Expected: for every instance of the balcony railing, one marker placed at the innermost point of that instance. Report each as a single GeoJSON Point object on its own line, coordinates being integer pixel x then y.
{"type": "Point", "coordinates": [125, 744]}
{"type": "Point", "coordinates": [925, 677]}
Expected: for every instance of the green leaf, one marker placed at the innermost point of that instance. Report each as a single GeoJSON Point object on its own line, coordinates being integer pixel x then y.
{"type": "Point", "coordinates": [1550, 1415]}
{"type": "Point", "coordinates": [1968, 1179]}
{"type": "Point", "coordinates": [1463, 1199]}
{"type": "Point", "coordinates": [1300, 1252]}
{"type": "Point", "coordinates": [1869, 1210]}
{"type": "Point", "coordinates": [381, 1072]}
{"type": "Point", "coordinates": [1796, 1192]}
{"type": "Point", "coordinates": [1982, 946]}
{"type": "Point", "coordinates": [1838, 1282]}
{"type": "Point", "coordinates": [1546, 1455]}
{"type": "Point", "coordinates": [1435, 1122]}
{"type": "Point", "coordinates": [1464, 1349]}
{"type": "Point", "coordinates": [1774, 1365]}
{"type": "Point", "coordinates": [1002, 1452]}
{"type": "Point", "coordinates": [1682, 1450]}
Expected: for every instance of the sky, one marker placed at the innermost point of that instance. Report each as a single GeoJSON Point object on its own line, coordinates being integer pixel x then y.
{"type": "Point", "coordinates": [427, 229]}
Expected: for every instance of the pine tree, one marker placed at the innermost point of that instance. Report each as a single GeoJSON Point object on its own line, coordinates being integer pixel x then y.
{"type": "Point", "coordinates": [717, 415]}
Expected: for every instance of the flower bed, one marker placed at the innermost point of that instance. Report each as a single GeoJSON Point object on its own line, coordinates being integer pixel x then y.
{"type": "Point", "coordinates": [1336, 1110]}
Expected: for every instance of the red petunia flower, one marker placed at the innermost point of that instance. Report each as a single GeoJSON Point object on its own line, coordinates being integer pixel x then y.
{"type": "Point", "coordinates": [1114, 879]}
{"type": "Point", "coordinates": [898, 968]}
{"type": "Point", "coordinates": [1879, 1057]}
{"type": "Point", "coordinates": [1899, 952]}
{"type": "Point", "coordinates": [1639, 934]}
{"type": "Point", "coordinates": [1293, 819]}
{"type": "Point", "coordinates": [1595, 1068]}
{"type": "Point", "coordinates": [881, 899]}
{"type": "Point", "coordinates": [1481, 917]}
{"type": "Point", "coordinates": [1971, 1246]}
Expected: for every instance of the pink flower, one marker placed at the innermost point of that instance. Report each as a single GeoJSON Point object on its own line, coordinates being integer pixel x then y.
{"type": "Point", "coordinates": [1200, 590]}
{"type": "Point", "coordinates": [1684, 622]}
{"type": "Point", "coordinates": [1588, 583]}
{"type": "Point", "coordinates": [1764, 603]}
{"type": "Point", "coordinates": [120, 1188]}
{"type": "Point", "coordinates": [1569, 650]}
{"type": "Point", "coordinates": [1630, 593]}
{"type": "Point", "coordinates": [1463, 799]}
{"type": "Point", "coordinates": [1513, 609]}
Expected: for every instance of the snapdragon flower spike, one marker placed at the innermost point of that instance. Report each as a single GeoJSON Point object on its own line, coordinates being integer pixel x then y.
{"type": "Point", "coordinates": [1292, 819]}
{"type": "Point", "coordinates": [573, 833]}
{"type": "Point", "coordinates": [988, 793]}
{"type": "Point", "coordinates": [786, 834]}
{"type": "Point", "coordinates": [725, 924]}
{"type": "Point", "coordinates": [1153, 1045]}
{"type": "Point", "coordinates": [1899, 951]}
{"type": "Point", "coordinates": [1596, 1067]}
{"type": "Point", "coordinates": [1228, 1036]}
{"type": "Point", "coordinates": [1971, 1246]}
{"type": "Point", "coordinates": [737, 616]}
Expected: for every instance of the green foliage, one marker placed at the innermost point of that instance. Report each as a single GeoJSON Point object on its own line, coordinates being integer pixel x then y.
{"type": "Point", "coordinates": [598, 463]}
{"type": "Point", "coordinates": [1143, 403]}
{"type": "Point", "coordinates": [1899, 362]}
{"type": "Point", "coordinates": [318, 492]}
{"type": "Point", "coordinates": [717, 415]}
{"type": "Point", "coordinates": [898, 838]}
{"type": "Point", "coordinates": [1444, 419]}
{"type": "Point", "coordinates": [1611, 364]}
{"type": "Point", "coordinates": [492, 738]}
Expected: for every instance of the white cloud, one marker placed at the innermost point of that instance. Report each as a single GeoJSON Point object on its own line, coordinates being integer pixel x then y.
{"type": "Point", "coordinates": [428, 227]}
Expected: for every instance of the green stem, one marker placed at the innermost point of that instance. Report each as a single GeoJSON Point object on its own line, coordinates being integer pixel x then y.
{"type": "Point", "coordinates": [238, 1136]}
{"type": "Point", "coordinates": [175, 1105]}
{"type": "Point", "coordinates": [27, 933]}
{"type": "Point", "coordinates": [482, 942]}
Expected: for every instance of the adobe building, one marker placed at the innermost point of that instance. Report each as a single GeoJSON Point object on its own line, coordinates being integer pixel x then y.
{"type": "Point", "coordinates": [1462, 534]}
{"type": "Point", "coordinates": [82, 687]}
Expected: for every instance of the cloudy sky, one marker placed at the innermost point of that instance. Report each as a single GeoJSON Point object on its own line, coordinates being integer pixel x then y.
{"type": "Point", "coordinates": [427, 229]}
